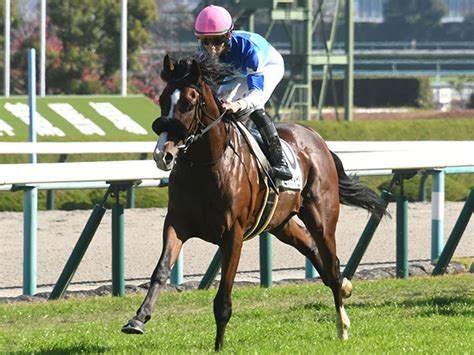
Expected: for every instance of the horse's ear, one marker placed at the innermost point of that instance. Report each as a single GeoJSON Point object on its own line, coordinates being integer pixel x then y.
{"type": "Point", "coordinates": [168, 68]}
{"type": "Point", "coordinates": [195, 72]}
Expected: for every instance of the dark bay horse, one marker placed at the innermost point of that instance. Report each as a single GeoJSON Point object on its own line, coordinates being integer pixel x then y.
{"type": "Point", "coordinates": [215, 192]}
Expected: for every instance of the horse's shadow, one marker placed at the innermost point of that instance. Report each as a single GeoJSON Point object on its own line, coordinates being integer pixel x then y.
{"type": "Point", "coordinates": [455, 305]}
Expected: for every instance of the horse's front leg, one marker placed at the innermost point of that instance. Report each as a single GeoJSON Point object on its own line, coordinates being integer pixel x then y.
{"type": "Point", "coordinates": [231, 248]}
{"type": "Point", "coordinates": [171, 248]}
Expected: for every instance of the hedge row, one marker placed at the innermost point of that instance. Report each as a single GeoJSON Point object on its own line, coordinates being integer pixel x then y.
{"type": "Point", "coordinates": [384, 92]}
{"type": "Point", "coordinates": [378, 92]}
{"type": "Point", "coordinates": [457, 188]}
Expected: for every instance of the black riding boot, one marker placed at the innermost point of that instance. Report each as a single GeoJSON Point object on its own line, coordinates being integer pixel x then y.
{"type": "Point", "coordinates": [270, 137]}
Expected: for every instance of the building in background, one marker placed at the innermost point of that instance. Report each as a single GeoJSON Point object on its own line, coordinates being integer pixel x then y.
{"type": "Point", "coordinates": [372, 10]}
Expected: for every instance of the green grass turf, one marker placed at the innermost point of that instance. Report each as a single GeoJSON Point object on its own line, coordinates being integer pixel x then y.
{"type": "Point", "coordinates": [138, 107]}
{"type": "Point", "coordinates": [422, 315]}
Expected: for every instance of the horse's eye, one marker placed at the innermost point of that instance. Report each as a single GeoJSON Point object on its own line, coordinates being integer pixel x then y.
{"type": "Point", "coordinates": [185, 106]}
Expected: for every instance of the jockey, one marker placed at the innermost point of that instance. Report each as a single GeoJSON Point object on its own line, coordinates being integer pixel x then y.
{"type": "Point", "coordinates": [260, 68]}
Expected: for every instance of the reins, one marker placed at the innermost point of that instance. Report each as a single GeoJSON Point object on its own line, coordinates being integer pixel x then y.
{"type": "Point", "coordinates": [192, 138]}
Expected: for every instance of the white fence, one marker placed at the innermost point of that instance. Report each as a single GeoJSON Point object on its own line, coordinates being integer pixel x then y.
{"type": "Point", "coordinates": [362, 158]}
{"type": "Point", "coordinates": [357, 157]}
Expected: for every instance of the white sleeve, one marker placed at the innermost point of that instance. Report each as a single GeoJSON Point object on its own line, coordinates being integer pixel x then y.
{"type": "Point", "coordinates": [252, 99]}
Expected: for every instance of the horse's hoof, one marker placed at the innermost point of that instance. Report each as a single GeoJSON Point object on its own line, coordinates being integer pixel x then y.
{"type": "Point", "coordinates": [133, 326]}
{"type": "Point", "coordinates": [346, 288]}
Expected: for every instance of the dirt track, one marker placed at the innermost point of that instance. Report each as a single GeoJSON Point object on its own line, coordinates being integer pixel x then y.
{"type": "Point", "coordinates": [58, 231]}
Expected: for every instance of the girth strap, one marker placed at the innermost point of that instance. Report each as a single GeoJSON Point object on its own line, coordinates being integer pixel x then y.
{"type": "Point", "coordinates": [265, 215]}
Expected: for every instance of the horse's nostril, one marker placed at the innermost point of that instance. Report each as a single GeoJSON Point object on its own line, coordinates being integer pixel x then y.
{"type": "Point", "coordinates": [168, 158]}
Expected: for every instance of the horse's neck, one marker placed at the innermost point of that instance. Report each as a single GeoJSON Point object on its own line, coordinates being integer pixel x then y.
{"type": "Point", "coordinates": [214, 140]}
{"type": "Point", "coordinates": [210, 146]}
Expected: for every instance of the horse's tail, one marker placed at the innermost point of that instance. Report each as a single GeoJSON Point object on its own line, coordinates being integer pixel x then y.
{"type": "Point", "coordinates": [353, 193]}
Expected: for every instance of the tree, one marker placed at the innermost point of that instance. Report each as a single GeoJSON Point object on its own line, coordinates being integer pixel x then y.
{"type": "Point", "coordinates": [87, 37]}
{"type": "Point", "coordinates": [83, 44]}
{"type": "Point", "coordinates": [413, 19]}
{"type": "Point", "coordinates": [14, 22]}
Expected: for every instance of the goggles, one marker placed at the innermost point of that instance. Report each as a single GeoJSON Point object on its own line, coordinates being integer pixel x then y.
{"type": "Point", "coordinates": [216, 41]}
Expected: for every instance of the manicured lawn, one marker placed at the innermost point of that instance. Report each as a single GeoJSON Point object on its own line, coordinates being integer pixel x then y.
{"type": "Point", "coordinates": [425, 315]}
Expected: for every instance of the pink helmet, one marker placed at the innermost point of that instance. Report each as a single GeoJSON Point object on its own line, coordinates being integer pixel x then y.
{"type": "Point", "coordinates": [213, 21]}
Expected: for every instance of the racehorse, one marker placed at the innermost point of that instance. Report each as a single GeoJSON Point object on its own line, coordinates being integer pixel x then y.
{"type": "Point", "coordinates": [216, 193]}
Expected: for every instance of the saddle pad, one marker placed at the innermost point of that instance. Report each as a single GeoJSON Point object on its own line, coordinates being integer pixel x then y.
{"type": "Point", "coordinates": [254, 146]}
{"type": "Point", "coordinates": [296, 183]}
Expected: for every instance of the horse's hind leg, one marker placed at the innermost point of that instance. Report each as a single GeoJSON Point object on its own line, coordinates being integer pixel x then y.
{"type": "Point", "coordinates": [231, 247]}
{"type": "Point", "coordinates": [321, 223]}
{"type": "Point", "coordinates": [171, 248]}
{"type": "Point", "coordinates": [298, 237]}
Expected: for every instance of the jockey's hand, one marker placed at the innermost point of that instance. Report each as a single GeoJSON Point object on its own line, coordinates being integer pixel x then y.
{"type": "Point", "coordinates": [232, 106]}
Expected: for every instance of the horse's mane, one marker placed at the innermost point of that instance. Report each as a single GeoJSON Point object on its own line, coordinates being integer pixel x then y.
{"type": "Point", "coordinates": [213, 71]}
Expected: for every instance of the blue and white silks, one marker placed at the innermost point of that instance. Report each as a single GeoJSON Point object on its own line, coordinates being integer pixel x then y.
{"type": "Point", "coordinates": [260, 68]}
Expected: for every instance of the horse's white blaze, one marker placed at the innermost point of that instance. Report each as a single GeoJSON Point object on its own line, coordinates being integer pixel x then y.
{"type": "Point", "coordinates": [158, 153]}
{"type": "Point", "coordinates": [174, 99]}
{"type": "Point", "coordinates": [160, 145]}
{"type": "Point", "coordinates": [342, 324]}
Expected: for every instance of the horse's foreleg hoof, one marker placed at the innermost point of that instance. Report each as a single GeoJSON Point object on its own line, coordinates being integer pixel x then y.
{"type": "Point", "coordinates": [134, 326]}
{"type": "Point", "coordinates": [218, 347]}
{"type": "Point", "coordinates": [346, 288]}
{"type": "Point", "coordinates": [343, 336]}
{"type": "Point", "coordinates": [342, 330]}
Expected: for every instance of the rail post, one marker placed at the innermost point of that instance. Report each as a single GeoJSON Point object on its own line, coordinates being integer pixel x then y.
{"type": "Point", "coordinates": [422, 186]}
{"type": "Point", "coordinates": [211, 271]}
{"type": "Point", "coordinates": [437, 214]}
{"type": "Point", "coordinates": [131, 190]}
{"type": "Point", "coordinates": [131, 198]}
{"type": "Point", "coordinates": [30, 196]}
{"type": "Point", "coordinates": [177, 277]}
{"type": "Point", "coordinates": [455, 236]}
{"type": "Point", "coordinates": [50, 203]}
{"type": "Point", "coordinates": [309, 270]}
{"type": "Point", "coordinates": [118, 283]}
{"type": "Point", "coordinates": [365, 239]}
{"type": "Point", "coordinates": [402, 234]}
{"type": "Point", "coordinates": [30, 238]}
{"type": "Point", "coordinates": [265, 242]}
{"type": "Point", "coordinates": [79, 250]}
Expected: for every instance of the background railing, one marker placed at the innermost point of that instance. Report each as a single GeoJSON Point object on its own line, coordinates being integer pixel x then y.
{"type": "Point", "coordinates": [401, 159]}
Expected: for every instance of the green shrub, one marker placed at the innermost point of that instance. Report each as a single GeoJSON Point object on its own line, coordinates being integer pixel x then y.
{"type": "Point", "coordinates": [382, 92]}
{"type": "Point", "coordinates": [72, 200]}
{"type": "Point", "coordinates": [424, 93]}
{"type": "Point", "coordinates": [152, 197]}
{"type": "Point", "coordinates": [11, 201]}
{"type": "Point", "coordinates": [454, 189]}
{"type": "Point", "coordinates": [86, 199]}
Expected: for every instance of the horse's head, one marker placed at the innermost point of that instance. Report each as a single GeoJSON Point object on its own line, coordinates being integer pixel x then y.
{"type": "Point", "coordinates": [181, 103]}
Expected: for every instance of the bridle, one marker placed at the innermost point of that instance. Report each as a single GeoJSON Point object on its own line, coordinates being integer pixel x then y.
{"type": "Point", "coordinates": [198, 128]}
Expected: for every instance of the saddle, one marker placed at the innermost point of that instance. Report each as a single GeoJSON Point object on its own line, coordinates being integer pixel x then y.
{"type": "Point", "coordinates": [272, 187]}
{"type": "Point", "coordinates": [261, 153]}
